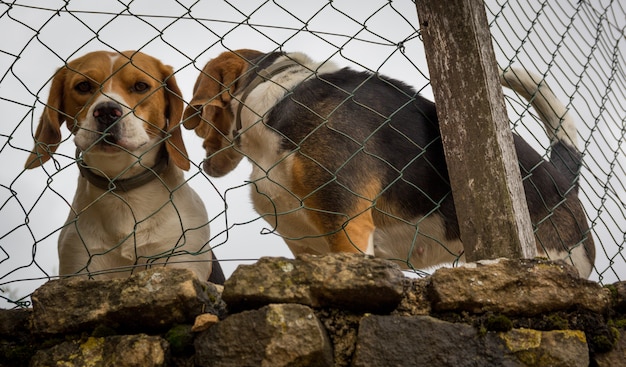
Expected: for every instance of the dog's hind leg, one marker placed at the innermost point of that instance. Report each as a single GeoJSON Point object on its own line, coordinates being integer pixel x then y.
{"type": "Point", "coordinates": [356, 235]}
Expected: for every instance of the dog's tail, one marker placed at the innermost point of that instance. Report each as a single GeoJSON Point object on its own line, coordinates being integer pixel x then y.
{"type": "Point", "coordinates": [559, 123]}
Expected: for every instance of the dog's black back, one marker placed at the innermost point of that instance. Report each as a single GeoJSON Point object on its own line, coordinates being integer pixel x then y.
{"type": "Point", "coordinates": [350, 125]}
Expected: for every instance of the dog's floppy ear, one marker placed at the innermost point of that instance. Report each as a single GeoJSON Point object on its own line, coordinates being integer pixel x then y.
{"type": "Point", "coordinates": [48, 133]}
{"type": "Point", "coordinates": [174, 144]}
{"type": "Point", "coordinates": [215, 86]}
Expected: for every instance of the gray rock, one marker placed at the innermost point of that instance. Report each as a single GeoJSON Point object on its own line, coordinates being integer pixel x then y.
{"type": "Point", "coordinates": [120, 351]}
{"type": "Point", "coordinates": [148, 301]}
{"type": "Point", "coordinates": [415, 341]}
{"type": "Point", "coordinates": [515, 287]}
{"type": "Point", "coordinates": [346, 281]}
{"type": "Point", "coordinates": [426, 341]}
{"type": "Point", "coordinates": [275, 335]}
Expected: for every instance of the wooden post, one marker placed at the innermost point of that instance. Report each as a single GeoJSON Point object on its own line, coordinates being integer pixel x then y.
{"type": "Point", "coordinates": [482, 163]}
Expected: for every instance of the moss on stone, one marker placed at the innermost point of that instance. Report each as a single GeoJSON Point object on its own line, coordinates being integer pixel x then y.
{"type": "Point", "coordinates": [482, 331]}
{"type": "Point", "coordinates": [101, 331]}
{"type": "Point", "coordinates": [620, 323]}
{"type": "Point", "coordinates": [498, 323]}
{"type": "Point", "coordinates": [180, 338]}
{"type": "Point", "coordinates": [556, 322]}
{"type": "Point", "coordinates": [602, 343]}
{"type": "Point", "coordinates": [521, 340]}
{"type": "Point", "coordinates": [612, 290]}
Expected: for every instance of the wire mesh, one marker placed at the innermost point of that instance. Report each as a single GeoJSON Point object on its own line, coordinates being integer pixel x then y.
{"type": "Point", "coordinates": [577, 46]}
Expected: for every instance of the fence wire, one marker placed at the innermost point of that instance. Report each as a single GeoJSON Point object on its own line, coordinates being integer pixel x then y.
{"type": "Point", "coordinates": [577, 46]}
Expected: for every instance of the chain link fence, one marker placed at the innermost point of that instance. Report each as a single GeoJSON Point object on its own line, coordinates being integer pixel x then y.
{"type": "Point", "coordinates": [577, 46]}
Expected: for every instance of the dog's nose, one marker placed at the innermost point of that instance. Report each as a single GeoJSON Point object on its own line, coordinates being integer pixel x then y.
{"type": "Point", "coordinates": [107, 113]}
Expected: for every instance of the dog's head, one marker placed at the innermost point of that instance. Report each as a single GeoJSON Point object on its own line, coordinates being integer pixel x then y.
{"type": "Point", "coordinates": [209, 112]}
{"type": "Point", "coordinates": [113, 102]}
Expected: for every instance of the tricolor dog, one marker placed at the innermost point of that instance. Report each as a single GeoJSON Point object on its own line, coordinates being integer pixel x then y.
{"type": "Point", "coordinates": [132, 207]}
{"type": "Point", "coordinates": [353, 161]}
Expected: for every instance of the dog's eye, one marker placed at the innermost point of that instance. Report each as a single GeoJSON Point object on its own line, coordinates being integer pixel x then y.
{"type": "Point", "coordinates": [83, 87]}
{"type": "Point", "coordinates": [141, 87]}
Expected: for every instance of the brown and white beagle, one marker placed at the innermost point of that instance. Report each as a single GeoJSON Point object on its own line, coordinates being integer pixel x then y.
{"type": "Point", "coordinates": [353, 161]}
{"type": "Point", "coordinates": [132, 207]}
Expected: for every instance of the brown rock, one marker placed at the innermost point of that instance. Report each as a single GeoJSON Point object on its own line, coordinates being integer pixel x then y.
{"type": "Point", "coordinates": [342, 328]}
{"type": "Point", "coordinates": [426, 341]}
{"type": "Point", "coordinates": [147, 301]}
{"type": "Point", "coordinates": [347, 281]}
{"type": "Point", "coordinates": [558, 348]}
{"type": "Point", "coordinates": [203, 322]}
{"type": "Point", "coordinates": [275, 335]}
{"type": "Point", "coordinates": [414, 298]}
{"type": "Point", "coordinates": [515, 287]}
{"type": "Point", "coordinates": [120, 351]}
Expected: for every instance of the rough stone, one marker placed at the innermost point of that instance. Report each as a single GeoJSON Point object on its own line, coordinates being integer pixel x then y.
{"type": "Point", "coordinates": [616, 356]}
{"type": "Point", "coordinates": [493, 311]}
{"type": "Point", "coordinates": [414, 298]}
{"type": "Point", "coordinates": [426, 341]}
{"type": "Point", "coordinates": [342, 329]}
{"type": "Point", "coordinates": [559, 348]}
{"type": "Point", "coordinates": [147, 301]}
{"type": "Point", "coordinates": [275, 335]}
{"type": "Point", "coordinates": [414, 341]}
{"type": "Point", "coordinates": [515, 287]}
{"type": "Point", "coordinates": [346, 281]}
{"type": "Point", "coordinates": [120, 351]}
{"type": "Point", "coordinates": [203, 322]}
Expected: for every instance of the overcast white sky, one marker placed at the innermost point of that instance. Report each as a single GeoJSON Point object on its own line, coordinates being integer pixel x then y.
{"type": "Point", "coordinates": [583, 62]}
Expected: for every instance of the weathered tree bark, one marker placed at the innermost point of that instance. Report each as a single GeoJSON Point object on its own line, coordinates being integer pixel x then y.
{"type": "Point", "coordinates": [482, 163]}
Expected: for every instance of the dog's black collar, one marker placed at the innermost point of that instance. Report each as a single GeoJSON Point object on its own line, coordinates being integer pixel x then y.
{"type": "Point", "coordinates": [262, 76]}
{"type": "Point", "coordinates": [124, 184]}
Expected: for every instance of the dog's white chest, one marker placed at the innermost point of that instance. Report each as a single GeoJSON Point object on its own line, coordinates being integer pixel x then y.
{"type": "Point", "coordinates": [112, 225]}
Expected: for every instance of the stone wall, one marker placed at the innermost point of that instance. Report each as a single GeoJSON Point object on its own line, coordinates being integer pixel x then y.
{"type": "Point", "coordinates": [336, 310]}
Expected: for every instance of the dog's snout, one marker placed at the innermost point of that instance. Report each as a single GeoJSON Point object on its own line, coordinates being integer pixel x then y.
{"type": "Point", "coordinates": [107, 113]}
